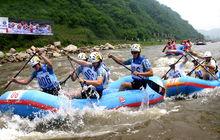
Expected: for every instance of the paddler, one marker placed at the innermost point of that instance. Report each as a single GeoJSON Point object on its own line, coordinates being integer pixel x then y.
{"type": "Point", "coordinates": [98, 76]}
{"type": "Point", "coordinates": [176, 69]}
{"type": "Point", "coordinates": [44, 74]}
{"type": "Point", "coordinates": [140, 67]}
{"type": "Point", "coordinates": [211, 67]}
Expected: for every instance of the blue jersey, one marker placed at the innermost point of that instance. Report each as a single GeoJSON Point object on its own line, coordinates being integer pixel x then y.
{"type": "Point", "coordinates": [87, 72]}
{"type": "Point", "coordinates": [140, 64]}
{"type": "Point", "coordinates": [198, 72]}
{"type": "Point", "coordinates": [181, 47]}
{"type": "Point", "coordinates": [101, 72]}
{"type": "Point", "coordinates": [46, 77]}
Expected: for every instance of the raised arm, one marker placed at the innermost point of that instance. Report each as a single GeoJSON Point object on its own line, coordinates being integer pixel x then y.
{"type": "Point", "coordinates": [116, 59]}
{"type": "Point", "coordinates": [22, 82]}
{"type": "Point", "coordinates": [196, 54]}
{"type": "Point", "coordinates": [46, 60]}
{"type": "Point", "coordinates": [80, 62]}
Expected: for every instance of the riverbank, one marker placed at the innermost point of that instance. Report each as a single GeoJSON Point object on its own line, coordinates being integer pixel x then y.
{"type": "Point", "coordinates": [57, 50]}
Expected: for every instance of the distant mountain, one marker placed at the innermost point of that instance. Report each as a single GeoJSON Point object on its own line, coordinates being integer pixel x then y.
{"type": "Point", "coordinates": [213, 34]}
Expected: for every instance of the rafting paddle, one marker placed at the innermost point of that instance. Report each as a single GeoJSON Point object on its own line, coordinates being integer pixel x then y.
{"type": "Point", "coordinates": [20, 70]}
{"type": "Point", "coordinates": [171, 68]}
{"type": "Point", "coordinates": [69, 76]}
{"type": "Point", "coordinates": [77, 76]}
{"type": "Point", "coordinates": [64, 81]}
{"type": "Point", "coordinates": [194, 69]}
{"type": "Point", "coordinates": [202, 66]}
{"type": "Point", "coordinates": [151, 83]}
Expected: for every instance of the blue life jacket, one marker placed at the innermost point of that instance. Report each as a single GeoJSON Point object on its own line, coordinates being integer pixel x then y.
{"type": "Point", "coordinates": [137, 65]}
{"type": "Point", "coordinates": [181, 47]}
{"type": "Point", "coordinates": [87, 72]}
{"type": "Point", "coordinates": [46, 78]}
{"type": "Point", "coordinates": [101, 71]}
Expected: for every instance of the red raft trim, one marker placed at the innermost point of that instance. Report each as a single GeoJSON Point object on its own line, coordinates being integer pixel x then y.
{"type": "Point", "coordinates": [190, 84]}
{"type": "Point", "coordinates": [151, 102]}
{"type": "Point", "coordinates": [29, 103]}
{"type": "Point", "coordinates": [50, 108]}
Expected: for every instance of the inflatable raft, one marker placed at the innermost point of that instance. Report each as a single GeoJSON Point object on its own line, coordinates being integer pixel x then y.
{"type": "Point", "coordinates": [32, 103]}
{"type": "Point", "coordinates": [187, 85]}
{"type": "Point", "coordinates": [174, 52]}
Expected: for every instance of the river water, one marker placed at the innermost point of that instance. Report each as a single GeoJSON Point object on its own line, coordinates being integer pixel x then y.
{"type": "Point", "coordinates": [191, 119]}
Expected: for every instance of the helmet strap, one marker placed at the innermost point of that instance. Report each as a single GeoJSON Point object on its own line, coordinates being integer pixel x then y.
{"type": "Point", "coordinates": [99, 63]}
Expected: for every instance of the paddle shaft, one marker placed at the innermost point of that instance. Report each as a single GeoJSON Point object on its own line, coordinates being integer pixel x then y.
{"type": "Point", "coordinates": [70, 62]}
{"type": "Point", "coordinates": [69, 76]}
{"type": "Point", "coordinates": [202, 66]}
{"type": "Point", "coordinates": [194, 69]}
{"type": "Point", "coordinates": [77, 76]}
{"type": "Point", "coordinates": [138, 75]}
{"type": "Point", "coordinates": [127, 68]}
{"type": "Point", "coordinates": [171, 68]}
{"type": "Point", "coordinates": [20, 70]}
{"type": "Point", "coordinates": [64, 81]}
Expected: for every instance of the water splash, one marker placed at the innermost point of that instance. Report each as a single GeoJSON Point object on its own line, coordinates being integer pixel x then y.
{"type": "Point", "coordinates": [77, 123]}
{"type": "Point", "coordinates": [74, 123]}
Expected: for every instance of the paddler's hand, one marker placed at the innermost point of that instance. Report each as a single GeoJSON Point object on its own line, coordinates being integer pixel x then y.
{"type": "Point", "coordinates": [13, 80]}
{"type": "Point", "coordinates": [136, 73]}
{"type": "Point", "coordinates": [110, 55]}
{"type": "Point", "coordinates": [81, 80]}
{"type": "Point", "coordinates": [39, 51]}
{"type": "Point", "coordinates": [72, 72]}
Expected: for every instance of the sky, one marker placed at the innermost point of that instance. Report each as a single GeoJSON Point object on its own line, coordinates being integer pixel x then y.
{"type": "Point", "coordinates": [201, 14]}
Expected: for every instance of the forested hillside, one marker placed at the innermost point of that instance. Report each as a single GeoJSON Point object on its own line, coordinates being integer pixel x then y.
{"type": "Point", "coordinates": [89, 21]}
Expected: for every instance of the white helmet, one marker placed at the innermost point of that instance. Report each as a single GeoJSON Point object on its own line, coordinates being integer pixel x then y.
{"type": "Point", "coordinates": [34, 61]}
{"type": "Point", "coordinates": [207, 54]}
{"type": "Point", "coordinates": [135, 48]}
{"type": "Point", "coordinates": [95, 57]}
{"type": "Point", "coordinates": [82, 56]}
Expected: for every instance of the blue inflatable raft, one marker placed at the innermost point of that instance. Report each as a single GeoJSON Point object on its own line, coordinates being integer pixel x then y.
{"type": "Point", "coordinates": [32, 103]}
{"type": "Point", "coordinates": [187, 85]}
{"type": "Point", "coordinates": [174, 52]}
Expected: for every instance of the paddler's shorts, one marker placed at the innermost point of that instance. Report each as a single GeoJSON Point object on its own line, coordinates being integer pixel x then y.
{"type": "Point", "coordinates": [53, 91]}
{"type": "Point", "coordinates": [137, 84]}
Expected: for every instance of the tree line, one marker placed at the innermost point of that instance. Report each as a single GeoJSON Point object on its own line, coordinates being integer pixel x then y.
{"type": "Point", "coordinates": [89, 21]}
